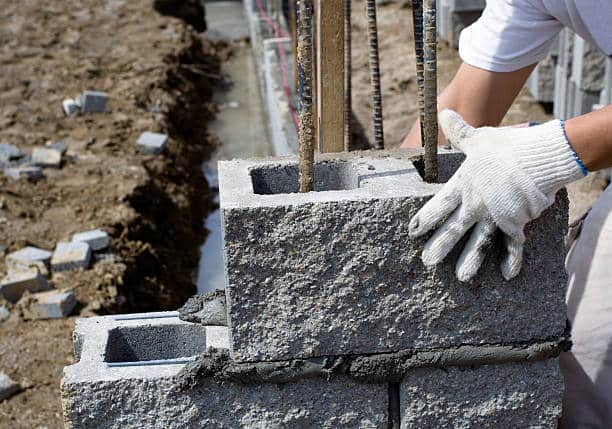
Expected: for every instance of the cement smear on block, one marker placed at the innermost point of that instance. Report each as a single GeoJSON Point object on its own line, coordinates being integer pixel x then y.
{"type": "Point", "coordinates": [208, 309]}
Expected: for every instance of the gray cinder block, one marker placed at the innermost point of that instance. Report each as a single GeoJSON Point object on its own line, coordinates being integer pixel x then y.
{"type": "Point", "coordinates": [71, 256]}
{"type": "Point", "coordinates": [455, 15]}
{"type": "Point", "coordinates": [93, 102]}
{"type": "Point", "coordinates": [152, 143]}
{"type": "Point", "coordinates": [8, 387]}
{"type": "Point", "coordinates": [47, 157]}
{"type": "Point", "coordinates": [125, 377]}
{"type": "Point", "coordinates": [8, 153]}
{"type": "Point", "coordinates": [334, 271]}
{"type": "Point", "coordinates": [97, 239]}
{"type": "Point", "coordinates": [28, 172]}
{"type": "Point", "coordinates": [54, 304]}
{"type": "Point", "coordinates": [13, 286]}
{"type": "Point", "coordinates": [501, 396]}
{"type": "Point", "coordinates": [24, 257]}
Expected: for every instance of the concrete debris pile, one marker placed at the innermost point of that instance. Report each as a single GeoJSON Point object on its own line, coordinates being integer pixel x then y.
{"type": "Point", "coordinates": [19, 165]}
{"type": "Point", "coordinates": [29, 270]}
{"type": "Point", "coordinates": [333, 321]}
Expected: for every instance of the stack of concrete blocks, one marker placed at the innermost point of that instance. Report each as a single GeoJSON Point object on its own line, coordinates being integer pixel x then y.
{"type": "Point", "coordinates": [579, 79]}
{"type": "Point", "coordinates": [541, 82]}
{"type": "Point", "coordinates": [334, 272]}
{"type": "Point", "coordinates": [454, 15]}
{"type": "Point", "coordinates": [322, 280]}
{"type": "Point", "coordinates": [266, 44]}
{"type": "Point", "coordinates": [126, 371]}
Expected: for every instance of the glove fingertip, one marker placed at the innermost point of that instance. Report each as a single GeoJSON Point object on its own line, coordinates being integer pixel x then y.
{"type": "Point", "coordinates": [510, 269]}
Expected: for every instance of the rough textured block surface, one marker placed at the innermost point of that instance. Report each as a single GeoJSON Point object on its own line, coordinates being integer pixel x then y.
{"type": "Point", "coordinates": [334, 271]}
{"type": "Point", "coordinates": [54, 304]}
{"type": "Point", "coordinates": [118, 394]}
{"type": "Point", "coordinates": [97, 239]}
{"type": "Point", "coordinates": [525, 395]}
{"type": "Point", "coordinates": [93, 102]}
{"type": "Point", "coordinates": [70, 256]}
{"type": "Point", "coordinates": [13, 286]}
{"type": "Point", "coordinates": [152, 143]}
{"type": "Point", "coordinates": [47, 157]}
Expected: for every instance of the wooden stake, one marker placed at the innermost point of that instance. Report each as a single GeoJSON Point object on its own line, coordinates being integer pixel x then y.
{"type": "Point", "coordinates": [329, 48]}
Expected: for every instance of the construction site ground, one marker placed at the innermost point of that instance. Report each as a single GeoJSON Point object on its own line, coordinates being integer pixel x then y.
{"type": "Point", "coordinates": [160, 74]}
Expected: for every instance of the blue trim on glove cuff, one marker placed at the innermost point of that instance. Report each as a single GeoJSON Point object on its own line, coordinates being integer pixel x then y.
{"type": "Point", "coordinates": [583, 169]}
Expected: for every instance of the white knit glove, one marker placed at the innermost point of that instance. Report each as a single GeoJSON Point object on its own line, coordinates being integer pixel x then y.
{"type": "Point", "coordinates": [509, 176]}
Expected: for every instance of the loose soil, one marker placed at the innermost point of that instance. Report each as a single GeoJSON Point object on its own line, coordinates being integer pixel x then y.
{"type": "Point", "coordinates": [159, 72]}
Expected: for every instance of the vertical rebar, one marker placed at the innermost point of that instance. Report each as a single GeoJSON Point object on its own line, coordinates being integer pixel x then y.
{"type": "Point", "coordinates": [417, 21]}
{"type": "Point", "coordinates": [379, 142]}
{"type": "Point", "coordinates": [306, 131]}
{"type": "Point", "coordinates": [430, 123]}
{"type": "Point", "coordinates": [347, 77]}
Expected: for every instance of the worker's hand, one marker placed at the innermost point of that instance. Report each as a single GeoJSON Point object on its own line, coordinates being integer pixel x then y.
{"type": "Point", "coordinates": [509, 176]}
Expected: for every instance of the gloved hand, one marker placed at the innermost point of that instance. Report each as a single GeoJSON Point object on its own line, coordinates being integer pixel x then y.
{"type": "Point", "coordinates": [509, 176]}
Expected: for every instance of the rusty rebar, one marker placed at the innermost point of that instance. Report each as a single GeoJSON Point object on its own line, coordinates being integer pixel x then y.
{"type": "Point", "coordinates": [306, 131]}
{"type": "Point", "coordinates": [417, 23]}
{"type": "Point", "coordinates": [379, 141]}
{"type": "Point", "coordinates": [347, 77]}
{"type": "Point", "coordinates": [430, 123]}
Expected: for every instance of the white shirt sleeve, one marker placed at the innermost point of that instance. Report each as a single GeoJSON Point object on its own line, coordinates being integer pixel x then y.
{"type": "Point", "coordinates": [509, 35]}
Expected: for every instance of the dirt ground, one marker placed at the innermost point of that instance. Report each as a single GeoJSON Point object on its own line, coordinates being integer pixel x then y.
{"type": "Point", "coordinates": [398, 83]}
{"type": "Point", "coordinates": [159, 76]}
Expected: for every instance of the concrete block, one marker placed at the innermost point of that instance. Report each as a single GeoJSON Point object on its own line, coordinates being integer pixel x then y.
{"type": "Point", "coordinates": [455, 15]}
{"type": "Point", "coordinates": [8, 153]}
{"type": "Point", "coordinates": [13, 286]}
{"type": "Point", "coordinates": [126, 377]}
{"type": "Point", "coordinates": [4, 313]}
{"type": "Point", "coordinates": [70, 256]}
{"type": "Point", "coordinates": [152, 143]}
{"type": "Point", "coordinates": [47, 157]}
{"type": "Point", "coordinates": [520, 395]}
{"type": "Point", "coordinates": [334, 271]}
{"type": "Point", "coordinates": [54, 304]}
{"type": "Point", "coordinates": [8, 387]}
{"type": "Point", "coordinates": [42, 268]}
{"type": "Point", "coordinates": [97, 239]}
{"type": "Point", "coordinates": [24, 257]}
{"type": "Point", "coordinates": [28, 172]}
{"type": "Point", "coordinates": [93, 102]}
{"type": "Point", "coordinates": [71, 107]}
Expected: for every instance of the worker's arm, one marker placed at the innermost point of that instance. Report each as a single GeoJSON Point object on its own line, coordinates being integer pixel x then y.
{"type": "Point", "coordinates": [591, 137]}
{"type": "Point", "coordinates": [481, 97]}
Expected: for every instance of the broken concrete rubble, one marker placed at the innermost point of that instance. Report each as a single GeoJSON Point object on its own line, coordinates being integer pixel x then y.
{"type": "Point", "coordinates": [71, 256]}
{"type": "Point", "coordinates": [13, 286]}
{"type": "Point", "coordinates": [53, 304]}
{"type": "Point", "coordinates": [4, 313]}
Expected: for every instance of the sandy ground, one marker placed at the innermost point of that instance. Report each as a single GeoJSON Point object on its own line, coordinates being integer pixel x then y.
{"type": "Point", "coordinates": [398, 82]}
{"type": "Point", "coordinates": [159, 77]}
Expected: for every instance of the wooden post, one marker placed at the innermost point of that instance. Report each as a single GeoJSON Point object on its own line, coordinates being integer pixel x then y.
{"type": "Point", "coordinates": [329, 48]}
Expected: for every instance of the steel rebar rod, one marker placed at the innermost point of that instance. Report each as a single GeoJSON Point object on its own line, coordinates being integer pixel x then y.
{"type": "Point", "coordinates": [417, 21]}
{"type": "Point", "coordinates": [306, 130]}
{"type": "Point", "coordinates": [379, 142]}
{"type": "Point", "coordinates": [430, 123]}
{"type": "Point", "coordinates": [348, 108]}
